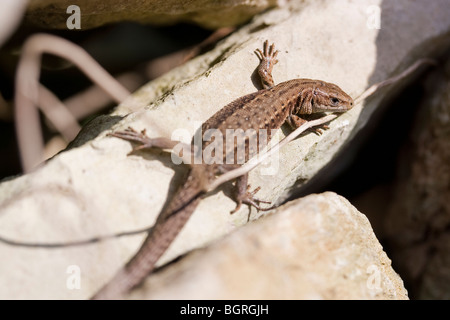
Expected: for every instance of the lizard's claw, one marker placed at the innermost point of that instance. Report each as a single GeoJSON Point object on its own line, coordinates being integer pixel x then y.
{"type": "Point", "coordinates": [249, 199]}
{"type": "Point", "coordinates": [130, 134]}
{"type": "Point", "coordinates": [319, 129]}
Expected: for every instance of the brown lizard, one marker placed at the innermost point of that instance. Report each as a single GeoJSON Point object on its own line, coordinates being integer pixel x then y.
{"type": "Point", "coordinates": [266, 109]}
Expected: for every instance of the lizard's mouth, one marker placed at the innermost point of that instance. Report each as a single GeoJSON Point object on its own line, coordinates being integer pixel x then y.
{"type": "Point", "coordinates": [328, 109]}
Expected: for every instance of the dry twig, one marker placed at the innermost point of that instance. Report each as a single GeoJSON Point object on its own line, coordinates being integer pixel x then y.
{"type": "Point", "coordinates": [29, 135]}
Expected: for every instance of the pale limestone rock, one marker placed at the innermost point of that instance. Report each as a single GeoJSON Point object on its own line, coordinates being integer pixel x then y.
{"type": "Point", "coordinates": [209, 14]}
{"type": "Point", "coordinates": [317, 247]}
{"type": "Point", "coordinates": [96, 189]}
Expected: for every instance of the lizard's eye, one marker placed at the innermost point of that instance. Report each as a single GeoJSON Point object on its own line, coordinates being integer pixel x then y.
{"type": "Point", "coordinates": [335, 100]}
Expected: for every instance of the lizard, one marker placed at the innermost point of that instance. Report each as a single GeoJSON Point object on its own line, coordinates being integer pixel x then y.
{"type": "Point", "coordinates": [269, 108]}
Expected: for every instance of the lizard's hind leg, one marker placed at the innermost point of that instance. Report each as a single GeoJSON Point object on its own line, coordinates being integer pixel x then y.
{"type": "Point", "coordinates": [145, 142]}
{"type": "Point", "coordinates": [243, 195]}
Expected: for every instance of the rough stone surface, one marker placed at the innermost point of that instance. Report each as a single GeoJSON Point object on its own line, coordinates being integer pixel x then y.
{"type": "Point", "coordinates": [418, 222]}
{"type": "Point", "coordinates": [96, 189]}
{"type": "Point", "coordinates": [209, 14]}
{"type": "Point", "coordinates": [317, 247]}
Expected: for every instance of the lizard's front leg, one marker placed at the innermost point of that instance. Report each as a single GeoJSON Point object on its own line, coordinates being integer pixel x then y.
{"type": "Point", "coordinates": [295, 121]}
{"type": "Point", "coordinates": [268, 58]}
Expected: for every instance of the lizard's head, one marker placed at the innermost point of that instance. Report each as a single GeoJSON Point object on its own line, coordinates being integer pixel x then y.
{"type": "Point", "coordinates": [328, 97]}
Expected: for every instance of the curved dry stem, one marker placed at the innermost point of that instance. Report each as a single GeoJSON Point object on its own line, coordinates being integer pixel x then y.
{"type": "Point", "coordinates": [94, 98]}
{"type": "Point", "coordinates": [58, 114]}
{"type": "Point", "coordinates": [76, 243]}
{"type": "Point", "coordinates": [27, 89]}
{"type": "Point", "coordinates": [377, 86]}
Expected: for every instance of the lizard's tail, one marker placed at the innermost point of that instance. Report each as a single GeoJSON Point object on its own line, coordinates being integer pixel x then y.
{"type": "Point", "coordinates": [168, 225]}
